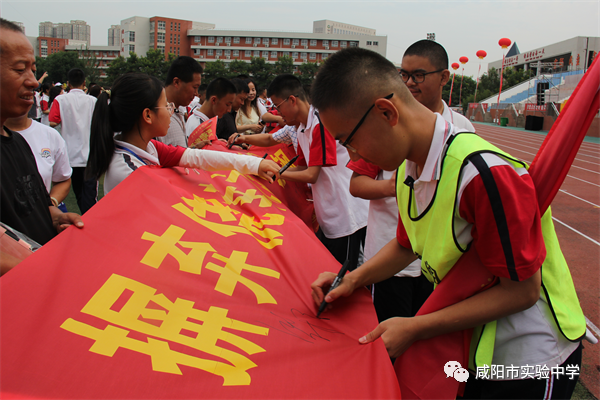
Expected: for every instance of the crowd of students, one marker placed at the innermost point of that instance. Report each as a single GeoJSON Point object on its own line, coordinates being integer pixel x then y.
{"type": "Point", "coordinates": [373, 145]}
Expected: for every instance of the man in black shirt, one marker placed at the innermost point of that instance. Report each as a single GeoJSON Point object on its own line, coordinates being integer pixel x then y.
{"type": "Point", "coordinates": [226, 124]}
{"type": "Point", "coordinates": [24, 202]}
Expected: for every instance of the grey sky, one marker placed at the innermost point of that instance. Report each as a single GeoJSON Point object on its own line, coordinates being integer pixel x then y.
{"type": "Point", "coordinates": [462, 27]}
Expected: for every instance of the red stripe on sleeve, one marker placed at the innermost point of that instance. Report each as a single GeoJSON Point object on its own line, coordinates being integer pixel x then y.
{"type": "Point", "coordinates": [364, 168]}
{"type": "Point", "coordinates": [168, 156]}
{"type": "Point", "coordinates": [54, 115]}
{"type": "Point", "coordinates": [323, 149]}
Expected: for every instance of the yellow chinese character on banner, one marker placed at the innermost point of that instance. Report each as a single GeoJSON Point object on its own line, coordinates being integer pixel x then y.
{"type": "Point", "coordinates": [231, 272]}
{"type": "Point", "coordinates": [170, 319]}
{"type": "Point", "coordinates": [267, 237]}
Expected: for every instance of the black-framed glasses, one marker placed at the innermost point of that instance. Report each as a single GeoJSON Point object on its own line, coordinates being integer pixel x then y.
{"type": "Point", "coordinates": [279, 105]}
{"type": "Point", "coordinates": [345, 142]}
{"type": "Point", "coordinates": [417, 77]}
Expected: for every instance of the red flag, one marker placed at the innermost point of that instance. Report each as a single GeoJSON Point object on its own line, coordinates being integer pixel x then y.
{"type": "Point", "coordinates": [420, 369]}
{"type": "Point", "coordinates": [184, 284]}
{"type": "Point", "coordinates": [205, 131]}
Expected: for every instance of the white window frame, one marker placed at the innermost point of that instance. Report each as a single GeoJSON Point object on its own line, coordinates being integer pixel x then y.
{"type": "Point", "coordinates": [274, 41]}
{"type": "Point", "coordinates": [219, 39]}
{"type": "Point", "coordinates": [304, 42]}
{"type": "Point", "coordinates": [286, 42]}
{"type": "Point", "coordinates": [248, 53]}
{"type": "Point", "coordinates": [334, 43]}
{"type": "Point", "coordinates": [236, 40]}
{"type": "Point", "coordinates": [313, 42]}
{"type": "Point", "coordinates": [210, 52]}
{"type": "Point", "coordinates": [248, 40]}
{"type": "Point", "coordinates": [211, 39]}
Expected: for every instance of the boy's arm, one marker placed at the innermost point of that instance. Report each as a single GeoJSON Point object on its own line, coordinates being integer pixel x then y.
{"type": "Point", "coordinates": [506, 298]}
{"type": "Point", "coordinates": [302, 174]}
{"type": "Point", "coordinates": [365, 187]}
{"type": "Point", "coordinates": [261, 139]}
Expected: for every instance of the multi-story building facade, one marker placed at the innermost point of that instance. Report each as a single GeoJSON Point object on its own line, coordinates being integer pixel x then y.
{"type": "Point", "coordinates": [114, 35]}
{"type": "Point", "coordinates": [49, 45]}
{"type": "Point", "coordinates": [329, 27]}
{"type": "Point", "coordinates": [102, 55]}
{"type": "Point", "coordinates": [301, 47]}
{"type": "Point", "coordinates": [75, 30]}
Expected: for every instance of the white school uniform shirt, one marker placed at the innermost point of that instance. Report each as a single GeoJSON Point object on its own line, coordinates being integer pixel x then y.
{"type": "Point", "coordinates": [76, 109]}
{"type": "Point", "coordinates": [50, 151]}
{"type": "Point", "coordinates": [338, 212]}
{"type": "Point", "coordinates": [44, 119]}
{"type": "Point", "coordinates": [456, 119]}
{"type": "Point", "coordinates": [194, 121]}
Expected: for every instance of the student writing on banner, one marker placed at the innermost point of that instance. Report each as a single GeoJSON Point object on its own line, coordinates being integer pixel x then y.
{"type": "Point", "coordinates": [513, 241]}
{"type": "Point", "coordinates": [138, 109]}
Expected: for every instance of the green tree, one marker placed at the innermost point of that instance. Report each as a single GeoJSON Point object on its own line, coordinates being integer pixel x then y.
{"type": "Point", "coordinates": [284, 65]}
{"type": "Point", "coordinates": [468, 90]}
{"type": "Point", "coordinates": [59, 64]}
{"type": "Point", "coordinates": [91, 70]}
{"type": "Point", "coordinates": [213, 70]}
{"type": "Point", "coordinates": [121, 66]}
{"type": "Point", "coordinates": [237, 67]}
{"type": "Point", "coordinates": [306, 72]}
{"type": "Point", "coordinates": [154, 64]}
{"type": "Point", "coordinates": [260, 71]}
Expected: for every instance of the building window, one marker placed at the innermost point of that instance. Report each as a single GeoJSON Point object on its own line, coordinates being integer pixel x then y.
{"type": "Point", "coordinates": [353, 44]}
{"type": "Point", "coordinates": [303, 55]}
{"type": "Point", "coordinates": [313, 42]}
{"type": "Point", "coordinates": [274, 41]}
{"type": "Point", "coordinates": [304, 42]}
{"type": "Point", "coordinates": [162, 25]}
{"type": "Point", "coordinates": [313, 56]}
{"type": "Point", "coordinates": [257, 40]}
{"type": "Point", "coordinates": [132, 36]}
{"type": "Point", "coordinates": [210, 52]}
{"type": "Point", "coordinates": [236, 53]}
{"type": "Point", "coordinates": [45, 43]}
{"type": "Point", "coordinates": [286, 53]}
{"type": "Point", "coordinates": [44, 51]}
{"type": "Point", "coordinates": [236, 40]}
{"type": "Point", "coordinates": [248, 53]}
{"type": "Point", "coordinates": [265, 54]}
{"type": "Point", "coordinates": [325, 42]}
{"type": "Point", "coordinates": [132, 48]}
{"type": "Point", "coordinates": [178, 39]}
{"type": "Point", "coordinates": [265, 40]}
{"type": "Point", "coordinates": [324, 56]}
{"type": "Point", "coordinates": [227, 40]}
{"type": "Point", "coordinates": [211, 39]}
{"type": "Point", "coordinates": [286, 42]}
{"type": "Point", "coordinates": [196, 52]}
{"type": "Point", "coordinates": [295, 42]}
{"type": "Point", "coordinates": [219, 39]}
{"type": "Point", "coordinates": [369, 43]}
{"type": "Point", "coordinates": [334, 43]}
{"type": "Point", "coordinates": [170, 38]}
{"type": "Point", "coordinates": [375, 43]}
{"type": "Point", "coordinates": [227, 52]}
{"type": "Point", "coordinates": [179, 27]}
{"type": "Point", "coordinates": [219, 52]}
{"type": "Point", "coordinates": [197, 39]}
{"type": "Point", "coordinates": [248, 40]}
{"type": "Point", "coordinates": [343, 44]}
{"type": "Point", "coordinates": [160, 37]}
{"type": "Point", "coordinates": [273, 54]}
{"type": "Point", "coordinates": [162, 50]}
{"type": "Point", "coordinates": [295, 55]}
{"type": "Point", "coordinates": [256, 53]}
{"type": "Point", "coordinates": [171, 25]}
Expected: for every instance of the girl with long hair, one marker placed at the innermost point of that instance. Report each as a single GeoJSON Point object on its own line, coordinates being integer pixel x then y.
{"type": "Point", "coordinates": [138, 110]}
{"type": "Point", "coordinates": [252, 115]}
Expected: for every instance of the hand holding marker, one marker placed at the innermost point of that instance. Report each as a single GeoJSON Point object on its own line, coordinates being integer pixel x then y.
{"type": "Point", "coordinates": [286, 166]}
{"type": "Point", "coordinates": [336, 283]}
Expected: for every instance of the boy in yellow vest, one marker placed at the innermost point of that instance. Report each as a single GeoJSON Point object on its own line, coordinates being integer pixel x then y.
{"type": "Point", "coordinates": [455, 191]}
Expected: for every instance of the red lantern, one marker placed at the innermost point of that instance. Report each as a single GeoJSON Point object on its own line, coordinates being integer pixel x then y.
{"type": "Point", "coordinates": [455, 66]}
{"type": "Point", "coordinates": [463, 60]}
{"type": "Point", "coordinates": [504, 43]}
{"type": "Point", "coordinates": [481, 54]}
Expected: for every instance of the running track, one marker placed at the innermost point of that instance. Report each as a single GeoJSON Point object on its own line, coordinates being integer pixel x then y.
{"type": "Point", "coordinates": [576, 214]}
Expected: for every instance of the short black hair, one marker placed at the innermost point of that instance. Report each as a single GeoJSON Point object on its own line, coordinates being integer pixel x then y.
{"type": "Point", "coordinates": [11, 26]}
{"type": "Point", "coordinates": [184, 68]}
{"type": "Point", "coordinates": [431, 50]}
{"type": "Point", "coordinates": [220, 87]}
{"type": "Point", "coordinates": [286, 85]}
{"type": "Point", "coordinates": [240, 85]}
{"type": "Point", "coordinates": [202, 88]}
{"type": "Point", "coordinates": [76, 77]}
{"type": "Point", "coordinates": [352, 78]}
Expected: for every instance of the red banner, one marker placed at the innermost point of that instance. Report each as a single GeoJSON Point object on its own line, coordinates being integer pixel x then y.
{"type": "Point", "coordinates": [205, 131]}
{"type": "Point", "coordinates": [185, 284]}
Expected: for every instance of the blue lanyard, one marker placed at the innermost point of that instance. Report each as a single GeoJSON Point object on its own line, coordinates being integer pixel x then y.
{"type": "Point", "coordinates": [132, 153]}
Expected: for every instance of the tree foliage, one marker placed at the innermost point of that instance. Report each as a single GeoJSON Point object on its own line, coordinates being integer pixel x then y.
{"type": "Point", "coordinates": [153, 64]}
{"type": "Point", "coordinates": [58, 65]}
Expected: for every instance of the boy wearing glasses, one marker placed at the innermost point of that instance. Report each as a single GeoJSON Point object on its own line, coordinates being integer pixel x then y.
{"type": "Point", "coordinates": [425, 73]}
{"type": "Point", "coordinates": [455, 191]}
{"type": "Point", "coordinates": [342, 218]}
